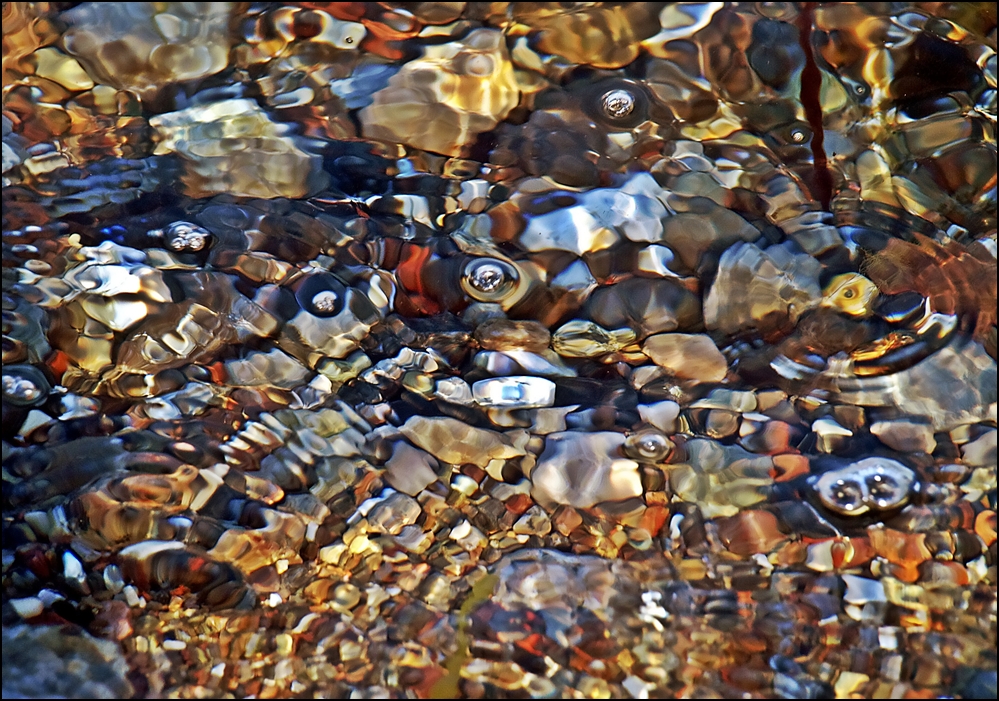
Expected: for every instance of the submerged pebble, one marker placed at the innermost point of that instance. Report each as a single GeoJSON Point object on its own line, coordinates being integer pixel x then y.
{"type": "Point", "coordinates": [761, 289]}
{"type": "Point", "coordinates": [461, 88]}
{"type": "Point", "coordinates": [583, 469]}
{"type": "Point", "coordinates": [514, 392]}
{"type": "Point", "coordinates": [687, 356]}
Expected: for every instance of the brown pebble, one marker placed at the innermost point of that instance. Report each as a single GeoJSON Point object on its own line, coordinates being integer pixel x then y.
{"type": "Point", "coordinates": [750, 532]}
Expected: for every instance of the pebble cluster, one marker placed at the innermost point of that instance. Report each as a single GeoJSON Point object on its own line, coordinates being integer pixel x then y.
{"type": "Point", "coordinates": [579, 350]}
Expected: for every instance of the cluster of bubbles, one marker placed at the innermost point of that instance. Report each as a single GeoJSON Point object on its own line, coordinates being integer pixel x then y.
{"type": "Point", "coordinates": [880, 484]}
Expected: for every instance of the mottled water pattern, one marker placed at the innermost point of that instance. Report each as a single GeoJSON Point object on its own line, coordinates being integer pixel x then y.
{"type": "Point", "coordinates": [499, 350]}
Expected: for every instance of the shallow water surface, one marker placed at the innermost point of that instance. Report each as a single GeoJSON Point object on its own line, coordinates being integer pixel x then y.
{"type": "Point", "coordinates": [502, 350]}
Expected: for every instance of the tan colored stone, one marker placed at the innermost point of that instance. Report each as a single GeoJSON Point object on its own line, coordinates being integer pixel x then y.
{"type": "Point", "coordinates": [906, 436]}
{"type": "Point", "coordinates": [454, 442]}
{"type": "Point", "coordinates": [687, 356]}
{"type": "Point", "coordinates": [144, 47]}
{"type": "Point", "coordinates": [233, 146]}
{"type": "Point", "coordinates": [442, 101]}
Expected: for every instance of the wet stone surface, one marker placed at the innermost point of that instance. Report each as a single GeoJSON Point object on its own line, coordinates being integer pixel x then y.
{"type": "Point", "coordinates": [499, 350]}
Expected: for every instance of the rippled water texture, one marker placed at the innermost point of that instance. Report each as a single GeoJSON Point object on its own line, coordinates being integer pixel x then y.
{"type": "Point", "coordinates": [499, 350]}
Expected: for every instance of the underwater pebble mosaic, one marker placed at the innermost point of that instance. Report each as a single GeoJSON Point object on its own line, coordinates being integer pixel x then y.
{"type": "Point", "coordinates": [499, 350]}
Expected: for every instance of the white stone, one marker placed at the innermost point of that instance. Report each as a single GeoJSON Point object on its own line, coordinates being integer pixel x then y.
{"type": "Point", "coordinates": [828, 427]}
{"type": "Point", "coordinates": [662, 415]}
{"type": "Point", "coordinates": [830, 434]}
{"type": "Point", "coordinates": [860, 590]}
{"type": "Point", "coordinates": [636, 687]}
{"type": "Point", "coordinates": [753, 285]}
{"type": "Point", "coordinates": [455, 442]}
{"type": "Point", "coordinates": [582, 469]}
{"type": "Point", "coordinates": [730, 400]}
{"type": "Point", "coordinates": [454, 390]}
{"type": "Point", "coordinates": [50, 596]}
{"type": "Point", "coordinates": [28, 607]}
{"type": "Point", "coordinates": [519, 392]}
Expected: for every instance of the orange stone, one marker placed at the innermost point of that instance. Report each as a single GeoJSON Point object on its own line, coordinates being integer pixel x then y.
{"type": "Point", "coordinates": [789, 466]}
{"type": "Point", "coordinates": [654, 519]}
{"type": "Point", "coordinates": [750, 532]}
{"type": "Point", "coordinates": [566, 520]}
{"type": "Point", "coordinates": [774, 437]}
{"type": "Point", "coordinates": [656, 498]}
{"type": "Point", "coordinates": [507, 221]}
{"type": "Point", "coordinates": [474, 472]}
{"type": "Point", "coordinates": [985, 526]}
{"type": "Point", "coordinates": [841, 551]}
{"type": "Point", "coordinates": [748, 679]}
{"type": "Point", "coordinates": [862, 552]}
{"type": "Point", "coordinates": [430, 676]}
{"type": "Point", "coordinates": [899, 548]}
{"type": "Point", "coordinates": [751, 643]}
{"type": "Point", "coordinates": [366, 486]}
{"type": "Point", "coordinates": [518, 503]}
{"type": "Point", "coordinates": [908, 573]}
{"type": "Point", "coordinates": [967, 515]}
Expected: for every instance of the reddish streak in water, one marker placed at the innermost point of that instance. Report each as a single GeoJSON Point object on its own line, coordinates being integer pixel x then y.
{"type": "Point", "coordinates": [811, 84]}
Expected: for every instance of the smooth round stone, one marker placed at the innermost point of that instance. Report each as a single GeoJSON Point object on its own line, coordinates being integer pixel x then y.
{"type": "Point", "coordinates": [583, 469]}
{"type": "Point", "coordinates": [728, 400]}
{"type": "Point", "coordinates": [521, 392]}
{"type": "Point", "coordinates": [662, 415]}
{"type": "Point", "coordinates": [503, 334]}
{"type": "Point", "coordinates": [687, 356]}
{"type": "Point", "coordinates": [410, 470]}
{"type": "Point", "coordinates": [906, 436]}
{"type": "Point", "coordinates": [980, 452]}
